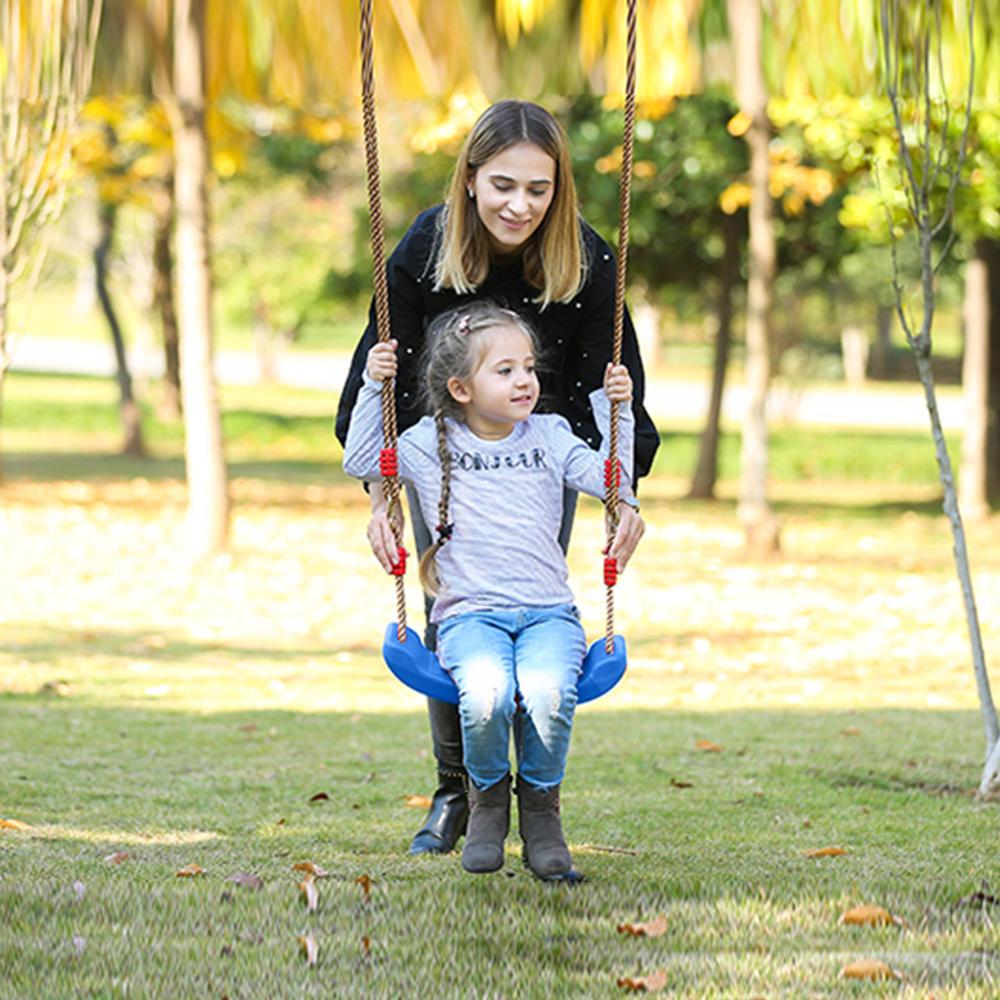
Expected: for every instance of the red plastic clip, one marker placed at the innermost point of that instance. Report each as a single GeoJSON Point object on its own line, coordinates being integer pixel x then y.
{"type": "Point", "coordinates": [617, 466]}
{"type": "Point", "coordinates": [610, 571]}
{"type": "Point", "coordinates": [388, 464]}
{"type": "Point", "coordinates": [399, 567]}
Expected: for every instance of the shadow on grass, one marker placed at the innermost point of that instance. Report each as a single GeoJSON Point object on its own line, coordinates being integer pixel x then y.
{"type": "Point", "coordinates": [105, 467]}
{"type": "Point", "coordinates": [157, 646]}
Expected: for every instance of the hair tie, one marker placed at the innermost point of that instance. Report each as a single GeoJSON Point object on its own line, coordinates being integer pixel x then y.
{"type": "Point", "coordinates": [444, 532]}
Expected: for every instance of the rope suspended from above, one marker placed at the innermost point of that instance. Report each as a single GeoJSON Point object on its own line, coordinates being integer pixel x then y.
{"type": "Point", "coordinates": [390, 431]}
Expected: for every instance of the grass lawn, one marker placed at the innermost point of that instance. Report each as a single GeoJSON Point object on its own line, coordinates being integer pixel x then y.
{"type": "Point", "coordinates": [188, 715]}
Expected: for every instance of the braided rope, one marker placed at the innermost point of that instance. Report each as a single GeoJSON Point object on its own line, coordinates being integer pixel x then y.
{"type": "Point", "coordinates": [624, 214]}
{"type": "Point", "coordinates": [390, 429]}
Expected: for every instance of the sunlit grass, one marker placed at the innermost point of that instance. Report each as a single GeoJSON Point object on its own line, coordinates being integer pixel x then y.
{"type": "Point", "coordinates": [189, 714]}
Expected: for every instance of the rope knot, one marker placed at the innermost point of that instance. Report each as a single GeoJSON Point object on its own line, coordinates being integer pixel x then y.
{"type": "Point", "coordinates": [444, 532]}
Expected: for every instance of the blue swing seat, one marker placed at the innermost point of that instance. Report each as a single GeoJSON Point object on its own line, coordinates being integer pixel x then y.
{"type": "Point", "coordinates": [418, 668]}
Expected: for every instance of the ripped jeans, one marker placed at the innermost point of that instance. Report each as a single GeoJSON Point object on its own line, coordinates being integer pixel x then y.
{"type": "Point", "coordinates": [505, 662]}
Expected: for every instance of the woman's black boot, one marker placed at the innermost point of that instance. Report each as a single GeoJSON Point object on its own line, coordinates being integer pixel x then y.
{"type": "Point", "coordinates": [447, 818]}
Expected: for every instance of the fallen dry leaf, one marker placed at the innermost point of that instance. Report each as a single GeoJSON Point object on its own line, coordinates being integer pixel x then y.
{"type": "Point", "coordinates": [850, 731]}
{"type": "Point", "coordinates": [707, 746]}
{"type": "Point", "coordinates": [13, 824]}
{"type": "Point", "coordinates": [310, 947]}
{"type": "Point", "coordinates": [118, 857]}
{"type": "Point", "coordinates": [869, 916]}
{"type": "Point", "coordinates": [674, 783]}
{"type": "Point", "coordinates": [418, 801]}
{"type": "Point", "coordinates": [190, 871]}
{"type": "Point", "coordinates": [652, 928]}
{"type": "Point", "coordinates": [247, 879]}
{"type": "Point", "coordinates": [319, 797]}
{"type": "Point", "coordinates": [366, 946]}
{"type": "Point", "coordinates": [824, 852]}
{"type": "Point", "coordinates": [310, 869]}
{"type": "Point", "coordinates": [311, 894]}
{"type": "Point", "coordinates": [59, 688]}
{"type": "Point", "coordinates": [366, 886]}
{"type": "Point", "coordinates": [869, 968]}
{"type": "Point", "coordinates": [645, 984]}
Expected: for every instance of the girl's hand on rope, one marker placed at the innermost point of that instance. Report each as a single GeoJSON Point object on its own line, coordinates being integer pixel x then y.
{"type": "Point", "coordinates": [380, 536]}
{"type": "Point", "coordinates": [617, 383]}
{"type": "Point", "coordinates": [382, 362]}
{"type": "Point", "coordinates": [631, 528]}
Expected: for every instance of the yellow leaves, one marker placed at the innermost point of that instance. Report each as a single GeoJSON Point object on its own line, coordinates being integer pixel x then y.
{"type": "Point", "coordinates": [644, 169]}
{"type": "Point", "coordinates": [824, 852]}
{"type": "Point", "coordinates": [190, 871]}
{"type": "Point", "coordinates": [735, 197]}
{"type": "Point", "coordinates": [366, 886]}
{"type": "Point", "coordinates": [869, 968]}
{"type": "Point", "coordinates": [447, 128]}
{"type": "Point", "coordinates": [739, 124]}
{"type": "Point", "coordinates": [869, 916]}
{"type": "Point", "coordinates": [644, 984]}
{"type": "Point", "coordinates": [309, 947]}
{"type": "Point", "coordinates": [653, 928]}
{"type": "Point", "coordinates": [611, 163]}
{"type": "Point", "coordinates": [418, 801]}
{"type": "Point", "coordinates": [707, 746]}
{"type": "Point", "coordinates": [13, 824]}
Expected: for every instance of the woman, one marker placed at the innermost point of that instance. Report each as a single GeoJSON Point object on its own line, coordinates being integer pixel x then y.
{"type": "Point", "coordinates": [509, 231]}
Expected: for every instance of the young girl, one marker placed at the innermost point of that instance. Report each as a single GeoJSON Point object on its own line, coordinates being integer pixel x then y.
{"type": "Point", "coordinates": [490, 473]}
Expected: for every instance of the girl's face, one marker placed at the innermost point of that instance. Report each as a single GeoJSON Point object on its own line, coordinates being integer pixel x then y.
{"type": "Point", "coordinates": [513, 191]}
{"type": "Point", "coordinates": [503, 390]}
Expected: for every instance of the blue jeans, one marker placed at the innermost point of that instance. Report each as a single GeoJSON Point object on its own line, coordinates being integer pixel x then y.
{"type": "Point", "coordinates": [506, 662]}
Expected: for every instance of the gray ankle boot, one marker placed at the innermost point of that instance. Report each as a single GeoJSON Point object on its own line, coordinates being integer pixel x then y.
{"type": "Point", "coordinates": [545, 851]}
{"type": "Point", "coordinates": [489, 821]}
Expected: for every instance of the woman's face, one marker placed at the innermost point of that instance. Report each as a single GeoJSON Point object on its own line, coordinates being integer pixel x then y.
{"type": "Point", "coordinates": [513, 191]}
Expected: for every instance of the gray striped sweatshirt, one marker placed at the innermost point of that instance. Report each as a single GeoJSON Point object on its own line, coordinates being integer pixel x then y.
{"type": "Point", "coordinates": [506, 498]}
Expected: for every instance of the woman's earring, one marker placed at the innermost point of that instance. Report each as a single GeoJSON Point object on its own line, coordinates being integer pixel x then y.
{"type": "Point", "coordinates": [472, 194]}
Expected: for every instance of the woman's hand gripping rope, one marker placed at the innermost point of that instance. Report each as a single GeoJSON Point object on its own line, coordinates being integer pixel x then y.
{"type": "Point", "coordinates": [618, 388]}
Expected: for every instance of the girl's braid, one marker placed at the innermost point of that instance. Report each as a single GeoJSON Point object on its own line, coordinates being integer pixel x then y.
{"type": "Point", "coordinates": [428, 564]}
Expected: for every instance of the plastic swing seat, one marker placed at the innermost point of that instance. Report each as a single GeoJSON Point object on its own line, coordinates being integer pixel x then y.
{"type": "Point", "coordinates": [418, 668]}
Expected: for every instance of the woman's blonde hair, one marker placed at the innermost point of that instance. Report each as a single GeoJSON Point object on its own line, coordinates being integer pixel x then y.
{"type": "Point", "coordinates": [457, 342]}
{"type": "Point", "coordinates": [553, 257]}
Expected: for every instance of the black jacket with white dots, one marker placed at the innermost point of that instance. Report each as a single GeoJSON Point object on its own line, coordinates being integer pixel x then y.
{"type": "Point", "coordinates": [576, 337]}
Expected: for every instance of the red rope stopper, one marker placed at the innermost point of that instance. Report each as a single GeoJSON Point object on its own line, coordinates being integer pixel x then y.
{"type": "Point", "coordinates": [610, 571]}
{"type": "Point", "coordinates": [388, 463]}
{"type": "Point", "coordinates": [399, 567]}
{"type": "Point", "coordinates": [609, 475]}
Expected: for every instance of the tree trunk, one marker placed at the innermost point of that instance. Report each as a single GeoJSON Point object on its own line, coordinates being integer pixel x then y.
{"type": "Point", "coordinates": [973, 496]}
{"type": "Point", "coordinates": [755, 513]}
{"type": "Point", "coordinates": [707, 469]}
{"type": "Point", "coordinates": [163, 297]}
{"type": "Point", "coordinates": [131, 418]}
{"type": "Point", "coordinates": [989, 252]}
{"type": "Point", "coordinates": [880, 364]}
{"type": "Point", "coordinates": [208, 497]}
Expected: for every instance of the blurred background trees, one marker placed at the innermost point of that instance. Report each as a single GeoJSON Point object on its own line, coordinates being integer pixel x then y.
{"type": "Point", "coordinates": [282, 249]}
